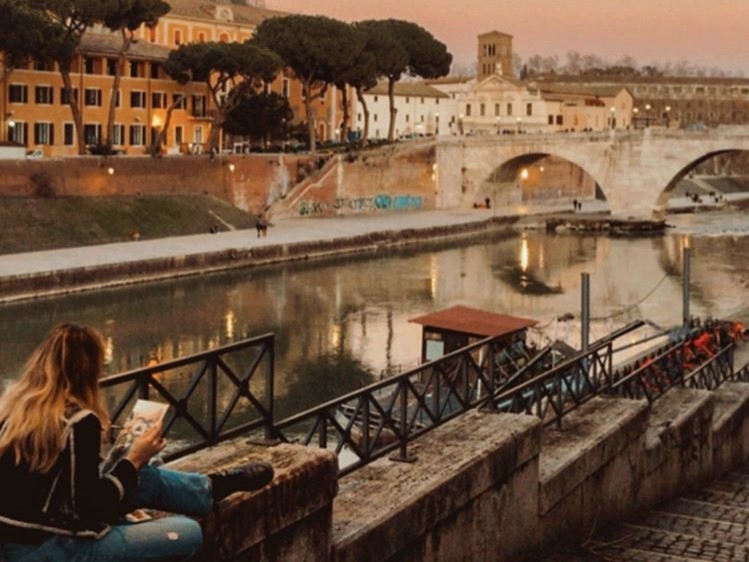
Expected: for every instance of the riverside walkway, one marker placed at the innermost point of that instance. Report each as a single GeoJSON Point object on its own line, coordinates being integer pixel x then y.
{"type": "Point", "coordinates": [30, 275]}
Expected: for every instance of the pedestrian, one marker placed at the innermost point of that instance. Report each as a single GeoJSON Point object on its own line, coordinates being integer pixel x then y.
{"type": "Point", "coordinates": [56, 503]}
{"type": "Point", "coordinates": [261, 225]}
{"type": "Point", "coordinates": [574, 205]}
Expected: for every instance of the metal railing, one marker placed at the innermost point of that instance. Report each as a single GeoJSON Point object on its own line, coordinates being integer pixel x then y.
{"type": "Point", "coordinates": [383, 417]}
{"type": "Point", "coordinates": [228, 391]}
{"type": "Point", "coordinates": [214, 395]}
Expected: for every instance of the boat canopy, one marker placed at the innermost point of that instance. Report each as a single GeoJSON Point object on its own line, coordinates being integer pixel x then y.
{"type": "Point", "coordinates": [473, 322]}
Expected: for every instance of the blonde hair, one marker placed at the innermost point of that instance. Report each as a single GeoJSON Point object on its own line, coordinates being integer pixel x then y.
{"type": "Point", "coordinates": [61, 373]}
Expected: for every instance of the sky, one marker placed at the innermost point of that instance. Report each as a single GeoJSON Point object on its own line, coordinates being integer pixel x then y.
{"type": "Point", "coordinates": [711, 33]}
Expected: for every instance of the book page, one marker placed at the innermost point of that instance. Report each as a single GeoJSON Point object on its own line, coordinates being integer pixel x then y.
{"type": "Point", "coordinates": [145, 414]}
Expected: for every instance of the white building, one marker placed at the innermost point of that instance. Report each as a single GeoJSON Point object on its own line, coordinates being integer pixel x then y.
{"type": "Point", "coordinates": [421, 110]}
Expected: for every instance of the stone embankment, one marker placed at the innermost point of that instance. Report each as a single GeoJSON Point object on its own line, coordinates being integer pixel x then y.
{"type": "Point", "coordinates": [504, 488]}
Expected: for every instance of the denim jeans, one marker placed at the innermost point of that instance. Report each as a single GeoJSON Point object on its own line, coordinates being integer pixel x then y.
{"type": "Point", "coordinates": [169, 539]}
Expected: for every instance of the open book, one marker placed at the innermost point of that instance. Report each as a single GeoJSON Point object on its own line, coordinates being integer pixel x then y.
{"type": "Point", "coordinates": [145, 414]}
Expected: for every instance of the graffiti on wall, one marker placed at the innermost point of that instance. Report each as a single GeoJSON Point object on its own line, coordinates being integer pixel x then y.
{"type": "Point", "coordinates": [382, 202]}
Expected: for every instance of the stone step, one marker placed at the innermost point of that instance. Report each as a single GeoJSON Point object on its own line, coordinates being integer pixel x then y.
{"type": "Point", "coordinates": [630, 543]}
{"type": "Point", "coordinates": [718, 530]}
{"type": "Point", "coordinates": [737, 498]}
{"type": "Point", "coordinates": [706, 510]}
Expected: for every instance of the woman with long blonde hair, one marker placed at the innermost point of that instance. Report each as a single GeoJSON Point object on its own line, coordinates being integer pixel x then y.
{"type": "Point", "coordinates": [57, 505]}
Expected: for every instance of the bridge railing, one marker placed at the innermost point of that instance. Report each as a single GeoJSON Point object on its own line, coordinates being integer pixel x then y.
{"type": "Point", "coordinates": [214, 395]}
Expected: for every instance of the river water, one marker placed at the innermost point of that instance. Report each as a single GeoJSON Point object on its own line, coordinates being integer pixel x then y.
{"type": "Point", "coordinates": [342, 322]}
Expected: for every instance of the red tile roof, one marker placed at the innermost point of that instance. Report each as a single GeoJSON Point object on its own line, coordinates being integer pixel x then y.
{"type": "Point", "coordinates": [473, 321]}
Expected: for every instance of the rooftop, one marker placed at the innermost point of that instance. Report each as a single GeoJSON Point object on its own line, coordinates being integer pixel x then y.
{"type": "Point", "coordinates": [207, 10]}
{"type": "Point", "coordinates": [413, 89]}
{"type": "Point", "coordinates": [474, 321]}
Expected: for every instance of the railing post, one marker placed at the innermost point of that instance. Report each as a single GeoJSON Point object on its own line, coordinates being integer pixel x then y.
{"type": "Point", "coordinates": [269, 424]}
{"type": "Point", "coordinates": [489, 405]}
{"type": "Point", "coordinates": [687, 259]}
{"type": "Point", "coordinates": [585, 313]}
{"type": "Point", "coordinates": [402, 455]}
{"type": "Point", "coordinates": [212, 397]}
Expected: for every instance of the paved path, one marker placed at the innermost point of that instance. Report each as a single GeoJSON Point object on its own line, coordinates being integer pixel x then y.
{"type": "Point", "coordinates": [709, 524]}
{"type": "Point", "coordinates": [283, 232]}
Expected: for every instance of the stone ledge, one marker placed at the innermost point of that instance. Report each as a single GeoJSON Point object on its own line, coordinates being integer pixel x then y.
{"type": "Point", "coordinates": [385, 506]}
{"type": "Point", "coordinates": [673, 421]}
{"type": "Point", "coordinates": [590, 437]}
{"type": "Point", "coordinates": [302, 490]}
{"type": "Point", "coordinates": [730, 439]}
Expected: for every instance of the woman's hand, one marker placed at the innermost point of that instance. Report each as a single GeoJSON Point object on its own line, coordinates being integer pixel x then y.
{"type": "Point", "coordinates": [146, 446]}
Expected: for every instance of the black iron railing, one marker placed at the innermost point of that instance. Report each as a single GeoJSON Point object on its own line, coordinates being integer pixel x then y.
{"type": "Point", "coordinates": [214, 395]}
{"type": "Point", "coordinates": [385, 416]}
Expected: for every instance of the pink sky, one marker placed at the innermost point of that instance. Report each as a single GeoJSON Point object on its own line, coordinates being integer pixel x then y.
{"type": "Point", "coordinates": [704, 32]}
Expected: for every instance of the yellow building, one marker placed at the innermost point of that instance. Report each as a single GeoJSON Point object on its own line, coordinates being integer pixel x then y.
{"type": "Point", "coordinates": [34, 105]}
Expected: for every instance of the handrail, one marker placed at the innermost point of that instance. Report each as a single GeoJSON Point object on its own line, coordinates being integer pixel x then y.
{"type": "Point", "coordinates": [212, 369]}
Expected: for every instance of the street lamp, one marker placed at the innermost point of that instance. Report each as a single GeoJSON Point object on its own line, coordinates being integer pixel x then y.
{"type": "Point", "coordinates": [647, 115]}
{"type": "Point", "coordinates": [497, 121]}
{"type": "Point", "coordinates": [517, 122]}
{"type": "Point", "coordinates": [612, 110]}
{"type": "Point", "coordinates": [668, 116]}
{"type": "Point", "coordinates": [635, 113]}
{"type": "Point", "coordinates": [436, 124]}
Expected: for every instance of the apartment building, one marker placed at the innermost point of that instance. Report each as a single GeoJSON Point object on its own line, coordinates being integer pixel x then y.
{"type": "Point", "coordinates": [34, 107]}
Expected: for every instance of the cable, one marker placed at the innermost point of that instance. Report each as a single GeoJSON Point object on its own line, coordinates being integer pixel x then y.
{"type": "Point", "coordinates": [638, 303]}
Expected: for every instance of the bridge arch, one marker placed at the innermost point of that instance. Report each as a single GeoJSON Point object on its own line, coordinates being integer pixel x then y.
{"type": "Point", "coordinates": [539, 177]}
{"type": "Point", "coordinates": [686, 170]}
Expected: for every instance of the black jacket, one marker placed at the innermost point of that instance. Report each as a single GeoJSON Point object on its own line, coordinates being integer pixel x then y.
{"type": "Point", "coordinates": [73, 498]}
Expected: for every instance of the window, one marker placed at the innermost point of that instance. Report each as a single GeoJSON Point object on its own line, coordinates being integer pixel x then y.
{"type": "Point", "coordinates": [158, 100]}
{"type": "Point", "coordinates": [178, 135]}
{"type": "Point", "coordinates": [198, 134]}
{"type": "Point", "coordinates": [65, 97]}
{"type": "Point", "coordinates": [44, 133]}
{"type": "Point", "coordinates": [18, 93]}
{"type": "Point", "coordinates": [177, 37]}
{"type": "Point", "coordinates": [118, 134]}
{"type": "Point", "coordinates": [285, 87]}
{"type": "Point", "coordinates": [408, 99]}
{"type": "Point", "coordinates": [482, 109]}
{"type": "Point", "coordinates": [407, 117]}
{"type": "Point", "coordinates": [529, 109]}
{"type": "Point", "coordinates": [91, 133]}
{"type": "Point", "coordinates": [137, 135]}
{"type": "Point", "coordinates": [135, 69]}
{"type": "Point", "coordinates": [375, 99]}
{"type": "Point", "coordinates": [44, 66]}
{"type": "Point", "coordinates": [551, 119]}
{"type": "Point", "coordinates": [468, 110]}
{"type": "Point", "coordinates": [201, 37]}
{"type": "Point", "coordinates": [18, 132]}
{"type": "Point", "coordinates": [496, 109]}
{"type": "Point", "coordinates": [560, 120]}
{"type": "Point", "coordinates": [137, 98]}
{"type": "Point", "coordinates": [112, 67]}
{"type": "Point", "coordinates": [92, 96]}
{"type": "Point", "coordinates": [374, 118]}
{"type": "Point", "coordinates": [155, 70]}
{"type": "Point", "coordinates": [422, 100]}
{"type": "Point", "coordinates": [44, 95]}
{"type": "Point", "coordinates": [509, 109]}
{"type": "Point", "coordinates": [179, 101]}
{"type": "Point", "coordinates": [90, 66]}
{"type": "Point", "coordinates": [68, 134]}
{"type": "Point", "coordinates": [198, 106]}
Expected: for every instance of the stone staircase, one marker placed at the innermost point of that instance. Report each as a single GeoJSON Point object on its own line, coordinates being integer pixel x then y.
{"type": "Point", "coordinates": [710, 523]}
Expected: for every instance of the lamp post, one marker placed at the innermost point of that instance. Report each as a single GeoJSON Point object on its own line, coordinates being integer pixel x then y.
{"type": "Point", "coordinates": [612, 111]}
{"type": "Point", "coordinates": [460, 123]}
{"type": "Point", "coordinates": [497, 122]}
{"type": "Point", "coordinates": [668, 117]}
{"type": "Point", "coordinates": [436, 124]}
{"type": "Point", "coordinates": [518, 121]}
{"type": "Point", "coordinates": [635, 115]}
{"type": "Point", "coordinates": [647, 115]}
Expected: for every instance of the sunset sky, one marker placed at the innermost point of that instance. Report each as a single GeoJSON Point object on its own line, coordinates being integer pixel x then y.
{"type": "Point", "coordinates": [704, 32]}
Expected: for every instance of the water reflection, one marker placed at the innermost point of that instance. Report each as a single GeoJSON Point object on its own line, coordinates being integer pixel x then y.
{"type": "Point", "coordinates": [340, 323]}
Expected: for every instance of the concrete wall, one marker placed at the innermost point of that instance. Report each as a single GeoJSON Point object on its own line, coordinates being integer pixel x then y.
{"type": "Point", "coordinates": [251, 184]}
{"type": "Point", "coordinates": [398, 178]}
{"type": "Point", "coordinates": [485, 486]}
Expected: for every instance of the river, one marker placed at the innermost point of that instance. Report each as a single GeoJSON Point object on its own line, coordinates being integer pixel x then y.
{"type": "Point", "coordinates": [342, 322]}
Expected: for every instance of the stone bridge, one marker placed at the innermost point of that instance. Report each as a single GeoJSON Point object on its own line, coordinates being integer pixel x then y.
{"type": "Point", "coordinates": [634, 169]}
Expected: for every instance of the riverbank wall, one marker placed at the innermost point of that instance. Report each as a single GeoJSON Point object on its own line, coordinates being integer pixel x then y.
{"type": "Point", "coordinates": [182, 258]}
{"type": "Point", "coordinates": [484, 486]}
